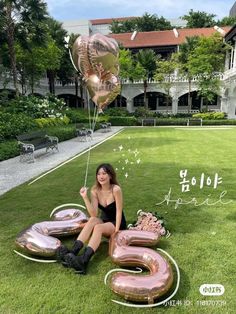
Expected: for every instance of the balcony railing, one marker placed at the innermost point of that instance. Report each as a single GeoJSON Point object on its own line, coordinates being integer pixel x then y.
{"type": "Point", "coordinates": [171, 78]}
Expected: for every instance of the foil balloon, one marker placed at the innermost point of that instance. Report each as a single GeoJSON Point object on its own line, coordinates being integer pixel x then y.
{"type": "Point", "coordinates": [39, 239]}
{"type": "Point", "coordinates": [97, 58]}
{"type": "Point", "coordinates": [103, 92]}
{"type": "Point", "coordinates": [103, 54]}
{"type": "Point", "coordinates": [139, 288]}
{"type": "Point", "coordinates": [80, 56]}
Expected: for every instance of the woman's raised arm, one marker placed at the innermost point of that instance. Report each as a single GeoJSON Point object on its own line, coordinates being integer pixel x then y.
{"type": "Point", "coordinates": [92, 207]}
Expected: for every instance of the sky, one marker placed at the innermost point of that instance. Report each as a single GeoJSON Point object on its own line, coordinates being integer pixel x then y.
{"type": "Point", "coordinates": [64, 10]}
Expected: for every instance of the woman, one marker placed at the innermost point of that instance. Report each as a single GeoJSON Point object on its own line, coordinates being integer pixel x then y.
{"type": "Point", "coordinates": [106, 195]}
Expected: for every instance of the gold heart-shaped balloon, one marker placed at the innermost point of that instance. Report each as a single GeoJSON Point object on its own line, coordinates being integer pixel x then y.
{"type": "Point", "coordinates": [104, 92]}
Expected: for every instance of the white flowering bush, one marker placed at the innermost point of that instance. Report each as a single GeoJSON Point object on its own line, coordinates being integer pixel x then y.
{"type": "Point", "coordinates": [47, 107]}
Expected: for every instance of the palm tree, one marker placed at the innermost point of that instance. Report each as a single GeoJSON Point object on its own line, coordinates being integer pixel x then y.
{"type": "Point", "coordinates": [22, 19]}
{"type": "Point", "coordinates": [57, 33]}
{"type": "Point", "coordinates": [147, 59]}
{"type": "Point", "coordinates": [185, 50]}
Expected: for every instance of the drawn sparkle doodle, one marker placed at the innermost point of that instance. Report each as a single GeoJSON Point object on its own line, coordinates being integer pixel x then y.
{"type": "Point", "coordinates": [128, 158]}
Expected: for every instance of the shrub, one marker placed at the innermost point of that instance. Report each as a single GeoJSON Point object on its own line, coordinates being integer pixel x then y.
{"type": "Point", "coordinates": [8, 150]}
{"type": "Point", "coordinates": [12, 125]}
{"type": "Point", "coordinates": [117, 112]}
{"type": "Point", "coordinates": [169, 121]}
{"type": "Point", "coordinates": [219, 122]}
{"type": "Point", "coordinates": [143, 112]}
{"type": "Point", "coordinates": [123, 121]}
{"type": "Point", "coordinates": [46, 122]}
{"type": "Point", "coordinates": [210, 115]}
{"type": "Point", "coordinates": [76, 115]}
{"type": "Point", "coordinates": [62, 132]}
{"type": "Point", "coordinates": [35, 107]}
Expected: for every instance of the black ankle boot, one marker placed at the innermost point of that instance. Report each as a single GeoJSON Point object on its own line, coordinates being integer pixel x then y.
{"type": "Point", "coordinates": [62, 250]}
{"type": "Point", "coordinates": [79, 263]}
{"type": "Point", "coordinates": [77, 246]}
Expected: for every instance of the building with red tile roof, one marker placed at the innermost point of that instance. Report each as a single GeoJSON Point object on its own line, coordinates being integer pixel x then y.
{"type": "Point", "coordinates": [163, 42]}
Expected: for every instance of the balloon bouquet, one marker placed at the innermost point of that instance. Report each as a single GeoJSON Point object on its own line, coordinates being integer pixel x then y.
{"type": "Point", "coordinates": [96, 57]}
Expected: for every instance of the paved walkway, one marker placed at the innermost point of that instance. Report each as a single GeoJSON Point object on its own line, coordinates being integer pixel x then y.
{"type": "Point", "coordinates": [13, 172]}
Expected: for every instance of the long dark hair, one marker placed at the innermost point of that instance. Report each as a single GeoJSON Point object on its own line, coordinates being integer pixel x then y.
{"type": "Point", "coordinates": [110, 171]}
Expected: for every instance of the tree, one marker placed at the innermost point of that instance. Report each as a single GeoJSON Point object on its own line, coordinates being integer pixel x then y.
{"type": "Point", "coordinates": [129, 68]}
{"type": "Point", "coordinates": [56, 32]}
{"type": "Point", "coordinates": [126, 64]}
{"type": "Point", "coordinates": [199, 19]}
{"type": "Point", "coordinates": [33, 63]}
{"type": "Point", "coordinates": [164, 75]}
{"type": "Point", "coordinates": [227, 21]}
{"type": "Point", "coordinates": [147, 59]}
{"type": "Point", "coordinates": [185, 51]}
{"type": "Point", "coordinates": [206, 61]}
{"type": "Point", "coordinates": [25, 19]}
{"type": "Point", "coordinates": [151, 22]}
{"type": "Point", "coordinates": [145, 23]}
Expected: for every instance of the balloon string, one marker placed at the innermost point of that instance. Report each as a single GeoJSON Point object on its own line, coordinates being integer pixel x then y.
{"type": "Point", "coordinates": [93, 127]}
{"type": "Point", "coordinates": [71, 59]}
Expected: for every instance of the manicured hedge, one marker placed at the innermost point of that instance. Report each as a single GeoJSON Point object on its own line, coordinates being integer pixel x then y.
{"type": "Point", "coordinates": [171, 121]}
{"type": "Point", "coordinates": [219, 122]}
{"type": "Point", "coordinates": [47, 122]}
{"type": "Point", "coordinates": [132, 121]}
{"type": "Point", "coordinates": [62, 132]}
{"type": "Point", "coordinates": [126, 121]}
{"type": "Point", "coordinates": [9, 149]}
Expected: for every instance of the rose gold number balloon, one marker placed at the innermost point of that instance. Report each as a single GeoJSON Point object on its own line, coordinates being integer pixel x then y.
{"type": "Point", "coordinates": [39, 239]}
{"type": "Point", "coordinates": [139, 288]}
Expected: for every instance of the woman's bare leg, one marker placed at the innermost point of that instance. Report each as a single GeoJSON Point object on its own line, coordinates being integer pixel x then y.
{"type": "Point", "coordinates": [88, 228]}
{"type": "Point", "coordinates": [99, 230]}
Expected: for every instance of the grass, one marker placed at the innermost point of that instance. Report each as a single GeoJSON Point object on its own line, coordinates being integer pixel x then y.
{"type": "Point", "coordinates": [202, 237]}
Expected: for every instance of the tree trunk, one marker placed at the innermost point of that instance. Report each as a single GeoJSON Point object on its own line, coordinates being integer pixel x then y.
{"type": "Point", "coordinates": [189, 95]}
{"type": "Point", "coordinates": [81, 87]}
{"type": "Point", "coordinates": [145, 94]}
{"type": "Point", "coordinates": [32, 82]}
{"type": "Point", "coordinates": [120, 100]}
{"type": "Point", "coordinates": [51, 81]}
{"type": "Point", "coordinates": [11, 46]}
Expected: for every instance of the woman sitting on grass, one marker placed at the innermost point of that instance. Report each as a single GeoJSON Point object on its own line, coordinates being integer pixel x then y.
{"type": "Point", "coordinates": [106, 195]}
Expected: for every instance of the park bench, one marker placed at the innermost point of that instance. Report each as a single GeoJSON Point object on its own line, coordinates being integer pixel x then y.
{"type": "Point", "coordinates": [194, 121]}
{"type": "Point", "coordinates": [106, 126]}
{"type": "Point", "coordinates": [30, 142]}
{"type": "Point", "coordinates": [83, 133]}
{"type": "Point", "coordinates": [149, 121]}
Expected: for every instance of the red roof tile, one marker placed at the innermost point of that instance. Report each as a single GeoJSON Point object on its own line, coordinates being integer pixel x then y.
{"type": "Point", "coordinates": [162, 38]}
{"type": "Point", "coordinates": [109, 21]}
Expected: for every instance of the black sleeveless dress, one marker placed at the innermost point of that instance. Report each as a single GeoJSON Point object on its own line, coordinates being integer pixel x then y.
{"type": "Point", "coordinates": [108, 214]}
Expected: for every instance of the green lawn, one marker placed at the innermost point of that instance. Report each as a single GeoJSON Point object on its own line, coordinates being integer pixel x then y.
{"type": "Point", "coordinates": [202, 237]}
